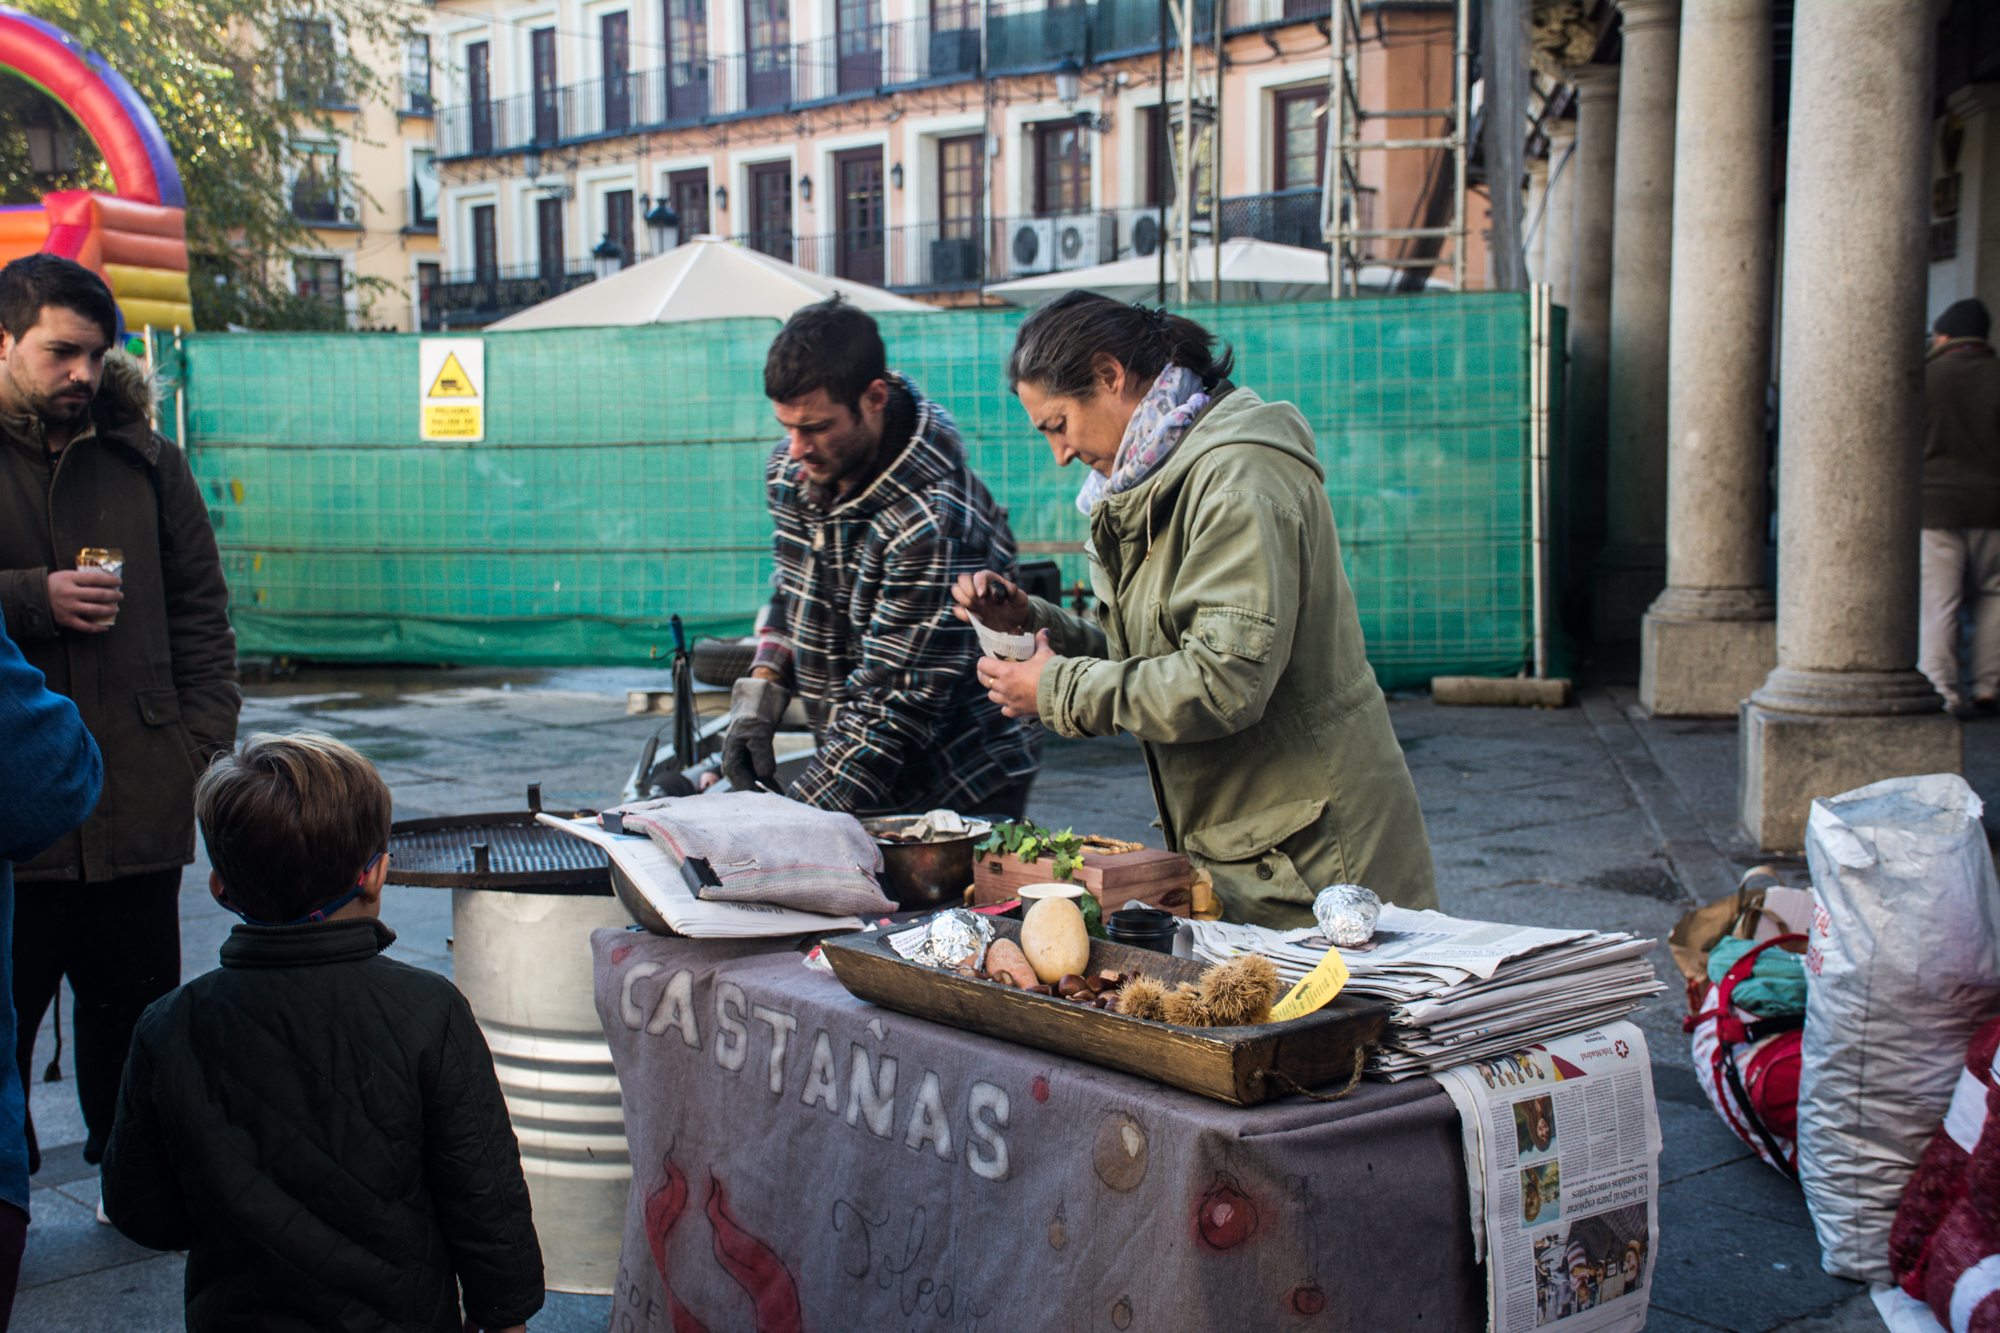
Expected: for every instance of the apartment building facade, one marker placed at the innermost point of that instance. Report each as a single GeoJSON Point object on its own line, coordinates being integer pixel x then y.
{"type": "Point", "coordinates": [367, 191]}
{"type": "Point", "coordinates": [928, 146]}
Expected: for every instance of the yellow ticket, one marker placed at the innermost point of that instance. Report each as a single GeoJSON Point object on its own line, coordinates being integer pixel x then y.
{"type": "Point", "coordinates": [1314, 990]}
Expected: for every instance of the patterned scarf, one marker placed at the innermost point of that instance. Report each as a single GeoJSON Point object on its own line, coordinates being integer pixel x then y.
{"type": "Point", "coordinates": [1157, 425]}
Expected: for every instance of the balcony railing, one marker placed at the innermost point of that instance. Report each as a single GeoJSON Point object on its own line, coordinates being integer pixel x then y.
{"type": "Point", "coordinates": [470, 299]}
{"type": "Point", "coordinates": [1238, 15]}
{"type": "Point", "coordinates": [1289, 217]}
{"type": "Point", "coordinates": [1020, 36]}
{"type": "Point", "coordinates": [1026, 35]}
{"type": "Point", "coordinates": [973, 253]}
{"type": "Point", "coordinates": [890, 55]}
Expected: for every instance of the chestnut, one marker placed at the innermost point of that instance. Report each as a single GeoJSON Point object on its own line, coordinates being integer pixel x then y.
{"type": "Point", "coordinates": [1069, 984]}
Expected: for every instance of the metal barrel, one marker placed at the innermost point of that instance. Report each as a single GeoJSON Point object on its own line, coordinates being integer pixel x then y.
{"type": "Point", "coordinates": [523, 962]}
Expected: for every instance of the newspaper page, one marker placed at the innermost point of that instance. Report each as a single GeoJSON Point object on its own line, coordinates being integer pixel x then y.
{"type": "Point", "coordinates": [657, 874]}
{"type": "Point", "coordinates": [1562, 1146]}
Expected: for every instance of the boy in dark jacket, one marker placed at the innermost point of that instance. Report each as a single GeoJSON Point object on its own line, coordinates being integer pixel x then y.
{"type": "Point", "coordinates": [317, 1125]}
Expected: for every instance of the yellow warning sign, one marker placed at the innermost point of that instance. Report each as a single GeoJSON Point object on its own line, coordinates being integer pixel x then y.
{"type": "Point", "coordinates": [451, 423]}
{"type": "Point", "coordinates": [452, 381]}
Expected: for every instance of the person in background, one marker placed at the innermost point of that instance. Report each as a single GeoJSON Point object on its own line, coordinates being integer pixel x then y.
{"type": "Point", "coordinates": [1961, 505]}
{"type": "Point", "coordinates": [319, 1126]}
{"type": "Point", "coordinates": [1227, 638]}
{"type": "Point", "coordinates": [48, 785]}
{"type": "Point", "coordinates": [877, 513]}
{"type": "Point", "coordinates": [147, 655]}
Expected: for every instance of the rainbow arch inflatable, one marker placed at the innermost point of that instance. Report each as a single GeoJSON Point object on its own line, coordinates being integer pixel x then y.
{"type": "Point", "coordinates": [136, 239]}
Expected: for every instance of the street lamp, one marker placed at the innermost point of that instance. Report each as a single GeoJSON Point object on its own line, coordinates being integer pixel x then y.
{"type": "Point", "coordinates": [896, 175]}
{"type": "Point", "coordinates": [607, 257]}
{"type": "Point", "coordinates": [1069, 81]}
{"type": "Point", "coordinates": [806, 188]}
{"type": "Point", "coordinates": [722, 198]}
{"type": "Point", "coordinates": [664, 226]}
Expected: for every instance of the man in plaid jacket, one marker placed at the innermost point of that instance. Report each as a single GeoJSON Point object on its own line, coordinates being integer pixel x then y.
{"type": "Point", "coordinates": [877, 515]}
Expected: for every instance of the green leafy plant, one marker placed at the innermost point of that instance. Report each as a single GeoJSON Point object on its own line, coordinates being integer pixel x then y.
{"type": "Point", "coordinates": [1031, 842]}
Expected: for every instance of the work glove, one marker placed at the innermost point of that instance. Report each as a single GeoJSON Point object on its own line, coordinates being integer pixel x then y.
{"type": "Point", "coordinates": [748, 760]}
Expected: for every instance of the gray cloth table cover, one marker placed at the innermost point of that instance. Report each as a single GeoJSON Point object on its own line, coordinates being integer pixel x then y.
{"type": "Point", "coordinates": [803, 1160]}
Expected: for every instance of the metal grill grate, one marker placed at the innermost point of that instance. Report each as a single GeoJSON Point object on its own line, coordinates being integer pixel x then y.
{"type": "Point", "coordinates": [517, 854]}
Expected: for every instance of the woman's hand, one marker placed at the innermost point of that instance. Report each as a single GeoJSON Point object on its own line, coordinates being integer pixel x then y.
{"type": "Point", "coordinates": [992, 601]}
{"type": "Point", "coordinates": [1014, 685]}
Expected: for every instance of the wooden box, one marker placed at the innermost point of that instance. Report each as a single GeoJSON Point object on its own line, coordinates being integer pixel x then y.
{"type": "Point", "coordinates": [1153, 877]}
{"type": "Point", "coordinates": [1229, 1064]}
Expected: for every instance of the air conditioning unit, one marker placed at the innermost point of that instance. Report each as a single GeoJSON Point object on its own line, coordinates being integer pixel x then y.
{"type": "Point", "coordinates": [1031, 247]}
{"type": "Point", "coordinates": [1085, 240]}
{"type": "Point", "coordinates": [955, 259]}
{"type": "Point", "coordinates": [1145, 235]}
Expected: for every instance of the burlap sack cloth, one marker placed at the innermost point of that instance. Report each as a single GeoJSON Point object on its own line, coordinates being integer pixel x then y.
{"type": "Point", "coordinates": [805, 1161]}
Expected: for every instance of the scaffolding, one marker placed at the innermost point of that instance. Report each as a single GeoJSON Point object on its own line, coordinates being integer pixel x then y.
{"type": "Point", "coordinates": [1194, 148]}
{"type": "Point", "coordinates": [1340, 201]}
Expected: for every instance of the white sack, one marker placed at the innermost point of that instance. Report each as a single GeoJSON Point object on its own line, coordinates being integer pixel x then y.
{"type": "Point", "coordinates": [1901, 969]}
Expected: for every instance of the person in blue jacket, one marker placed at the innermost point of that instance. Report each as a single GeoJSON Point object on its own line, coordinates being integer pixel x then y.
{"type": "Point", "coordinates": [48, 785]}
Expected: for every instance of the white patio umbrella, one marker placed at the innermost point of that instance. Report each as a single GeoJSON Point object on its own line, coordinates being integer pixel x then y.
{"type": "Point", "coordinates": [1251, 271]}
{"type": "Point", "coordinates": [706, 278]}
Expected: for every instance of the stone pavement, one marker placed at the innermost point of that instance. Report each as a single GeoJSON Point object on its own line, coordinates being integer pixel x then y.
{"type": "Point", "coordinates": [1592, 815]}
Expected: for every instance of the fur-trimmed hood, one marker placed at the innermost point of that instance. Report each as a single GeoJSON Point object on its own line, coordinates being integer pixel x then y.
{"type": "Point", "coordinates": [126, 399]}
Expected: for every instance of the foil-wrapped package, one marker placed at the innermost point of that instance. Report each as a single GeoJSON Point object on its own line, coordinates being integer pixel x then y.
{"type": "Point", "coordinates": [1347, 914]}
{"type": "Point", "coordinates": [951, 938]}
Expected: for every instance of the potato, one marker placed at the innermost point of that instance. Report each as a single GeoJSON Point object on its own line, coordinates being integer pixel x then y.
{"type": "Point", "coordinates": [1054, 939]}
{"type": "Point", "coordinates": [1007, 964]}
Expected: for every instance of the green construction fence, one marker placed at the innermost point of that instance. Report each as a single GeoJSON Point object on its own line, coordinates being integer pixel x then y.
{"type": "Point", "coordinates": [620, 479]}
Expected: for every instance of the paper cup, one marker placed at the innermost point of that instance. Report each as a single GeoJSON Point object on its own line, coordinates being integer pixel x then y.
{"type": "Point", "coordinates": [1006, 647]}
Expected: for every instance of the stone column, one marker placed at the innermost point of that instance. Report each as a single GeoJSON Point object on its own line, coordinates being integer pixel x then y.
{"type": "Point", "coordinates": [1711, 637]}
{"type": "Point", "coordinates": [1632, 566]}
{"type": "Point", "coordinates": [1593, 173]}
{"type": "Point", "coordinates": [1559, 214]}
{"type": "Point", "coordinates": [1845, 705]}
{"type": "Point", "coordinates": [1534, 213]}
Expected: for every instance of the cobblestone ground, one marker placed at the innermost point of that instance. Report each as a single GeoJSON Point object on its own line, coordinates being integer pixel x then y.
{"type": "Point", "coordinates": [1592, 815]}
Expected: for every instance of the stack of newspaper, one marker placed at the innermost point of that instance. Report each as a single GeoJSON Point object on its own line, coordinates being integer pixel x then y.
{"type": "Point", "coordinates": [1460, 991]}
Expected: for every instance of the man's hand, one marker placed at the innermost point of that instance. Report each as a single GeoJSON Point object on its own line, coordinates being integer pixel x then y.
{"type": "Point", "coordinates": [1014, 685]}
{"type": "Point", "coordinates": [755, 705]}
{"type": "Point", "coordinates": [992, 601]}
{"type": "Point", "coordinates": [81, 599]}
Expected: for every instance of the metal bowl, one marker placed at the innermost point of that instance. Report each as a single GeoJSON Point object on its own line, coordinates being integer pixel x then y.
{"type": "Point", "coordinates": [925, 875]}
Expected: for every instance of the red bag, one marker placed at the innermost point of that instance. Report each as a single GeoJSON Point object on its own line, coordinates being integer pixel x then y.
{"type": "Point", "coordinates": [1945, 1246]}
{"type": "Point", "coordinates": [1751, 1065]}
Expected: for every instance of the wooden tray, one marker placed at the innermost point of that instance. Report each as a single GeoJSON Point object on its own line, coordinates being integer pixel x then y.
{"type": "Point", "coordinates": [1318, 1049]}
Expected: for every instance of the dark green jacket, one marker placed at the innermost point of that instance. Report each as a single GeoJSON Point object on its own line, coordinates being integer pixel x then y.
{"type": "Point", "coordinates": [1962, 435]}
{"type": "Point", "coordinates": [1230, 646]}
{"type": "Point", "coordinates": [157, 690]}
{"type": "Point", "coordinates": [321, 1129]}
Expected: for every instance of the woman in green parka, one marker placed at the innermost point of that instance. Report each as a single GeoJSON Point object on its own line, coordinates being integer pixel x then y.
{"type": "Point", "coordinates": [1227, 639]}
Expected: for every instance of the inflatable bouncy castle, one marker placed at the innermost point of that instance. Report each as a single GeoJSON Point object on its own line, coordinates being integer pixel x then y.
{"type": "Point", "coordinates": [136, 239]}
